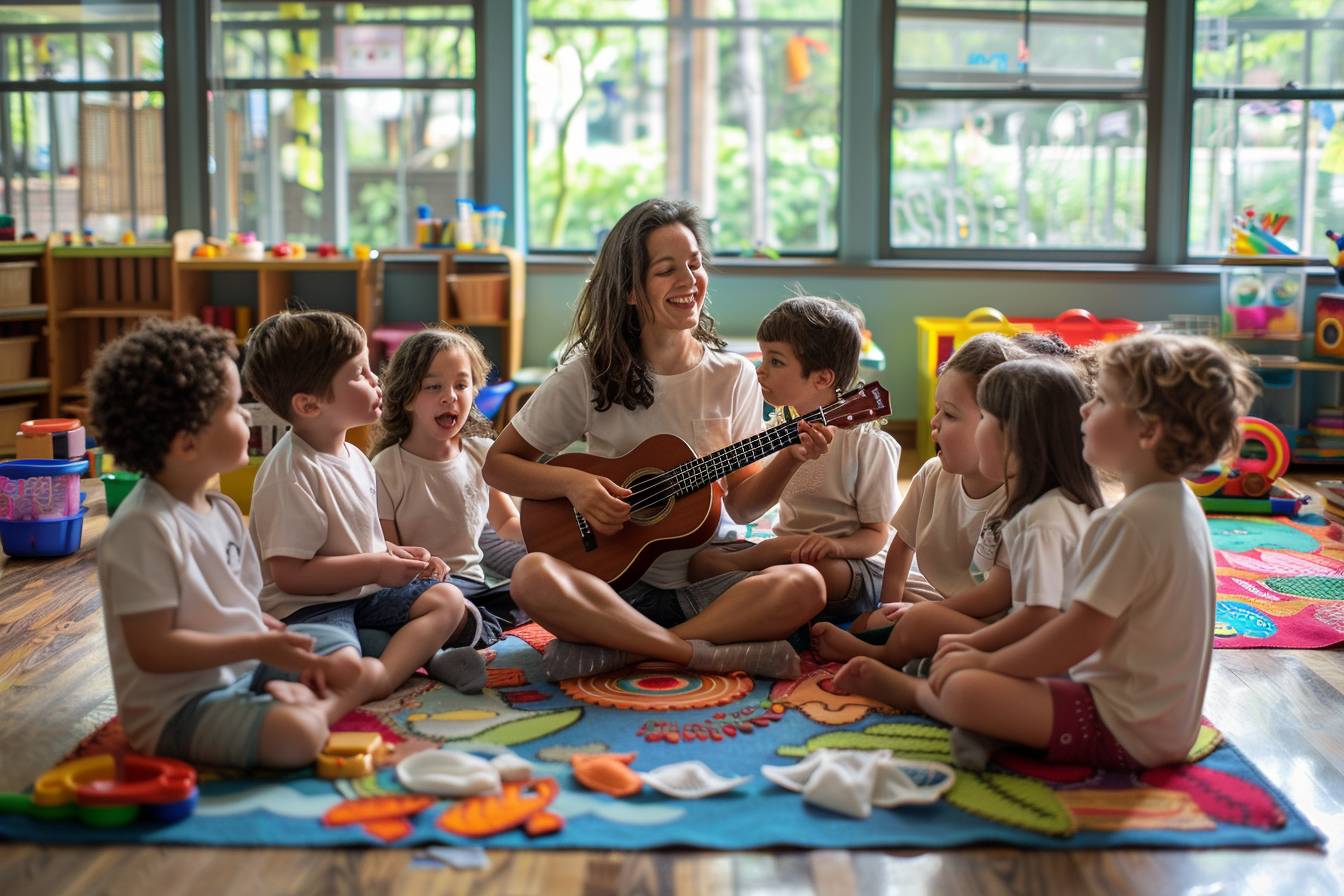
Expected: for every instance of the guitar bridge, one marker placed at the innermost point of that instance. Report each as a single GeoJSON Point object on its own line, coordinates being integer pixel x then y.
{"type": "Point", "coordinates": [585, 532]}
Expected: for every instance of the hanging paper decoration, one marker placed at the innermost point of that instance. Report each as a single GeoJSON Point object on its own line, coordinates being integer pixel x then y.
{"type": "Point", "coordinates": [301, 160]}
{"type": "Point", "coordinates": [797, 60]}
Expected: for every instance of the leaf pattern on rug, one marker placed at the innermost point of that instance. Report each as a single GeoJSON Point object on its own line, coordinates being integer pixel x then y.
{"type": "Point", "coordinates": [1013, 800]}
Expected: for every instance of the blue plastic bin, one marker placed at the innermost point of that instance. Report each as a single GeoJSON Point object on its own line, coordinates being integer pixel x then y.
{"type": "Point", "coordinates": [42, 538]}
{"type": "Point", "coordinates": [491, 398]}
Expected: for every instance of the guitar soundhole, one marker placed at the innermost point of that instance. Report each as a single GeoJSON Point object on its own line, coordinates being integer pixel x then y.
{"type": "Point", "coordinates": [652, 500]}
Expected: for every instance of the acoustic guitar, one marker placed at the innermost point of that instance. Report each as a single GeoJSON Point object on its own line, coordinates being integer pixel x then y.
{"type": "Point", "coordinates": [675, 500]}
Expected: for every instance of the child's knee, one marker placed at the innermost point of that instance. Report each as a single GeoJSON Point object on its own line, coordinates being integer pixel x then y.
{"type": "Point", "coordinates": [961, 696]}
{"type": "Point", "coordinates": [444, 597]}
{"type": "Point", "coordinates": [344, 666]}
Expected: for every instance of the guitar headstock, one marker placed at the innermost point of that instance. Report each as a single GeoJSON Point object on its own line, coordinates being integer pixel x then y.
{"type": "Point", "coordinates": [860, 405]}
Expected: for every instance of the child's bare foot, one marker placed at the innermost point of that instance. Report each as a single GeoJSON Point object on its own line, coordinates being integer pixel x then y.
{"type": "Point", "coordinates": [291, 692]}
{"type": "Point", "coordinates": [869, 677]}
{"type": "Point", "coordinates": [835, 644]}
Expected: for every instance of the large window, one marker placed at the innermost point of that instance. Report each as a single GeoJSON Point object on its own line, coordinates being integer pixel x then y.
{"type": "Point", "coordinates": [334, 121]}
{"type": "Point", "coordinates": [81, 118]}
{"type": "Point", "coordinates": [731, 103]}
{"type": "Point", "coordinates": [1268, 120]}
{"type": "Point", "coordinates": [1021, 127]}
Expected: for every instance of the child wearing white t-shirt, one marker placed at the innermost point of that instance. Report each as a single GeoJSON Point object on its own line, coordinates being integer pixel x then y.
{"type": "Point", "coordinates": [315, 511]}
{"type": "Point", "coordinates": [939, 523]}
{"type": "Point", "coordinates": [1136, 639]}
{"type": "Point", "coordinates": [430, 488]}
{"type": "Point", "coordinates": [833, 513]}
{"type": "Point", "coordinates": [645, 361]}
{"type": "Point", "coordinates": [1028, 438]}
{"type": "Point", "coordinates": [197, 666]}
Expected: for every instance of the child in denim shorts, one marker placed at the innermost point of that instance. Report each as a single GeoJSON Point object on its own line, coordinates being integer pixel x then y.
{"type": "Point", "coordinates": [315, 511]}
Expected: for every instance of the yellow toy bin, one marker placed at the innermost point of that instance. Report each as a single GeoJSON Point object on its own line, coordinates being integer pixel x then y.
{"type": "Point", "coordinates": [936, 339]}
{"type": "Point", "coordinates": [237, 484]}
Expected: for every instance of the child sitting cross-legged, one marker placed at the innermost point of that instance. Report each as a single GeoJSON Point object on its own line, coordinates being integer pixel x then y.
{"type": "Point", "coordinates": [942, 548]}
{"type": "Point", "coordinates": [1028, 437]}
{"type": "Point", "coordinates": [315, 511]}
{"type": "Point", "coordinates": [428, 463]}
{"type": "Point", "coordinates": [834, 512]}
{"type": "Point", "coordinates": [179, 575]}
{"type": "Point", "coordinates": [1136, 639]}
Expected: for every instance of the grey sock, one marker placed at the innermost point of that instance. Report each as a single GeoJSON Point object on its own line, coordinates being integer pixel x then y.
{"type": "Point", "coordinates": [972, 750]}
{"type": "Point", "coordinates": [766, 659]}
{"type": "Point", "coordinates": [919, 667]}
{"type": "Point", "coordinates": [565, 659]}
{"type": "Point", "coordinates": [458, 667]}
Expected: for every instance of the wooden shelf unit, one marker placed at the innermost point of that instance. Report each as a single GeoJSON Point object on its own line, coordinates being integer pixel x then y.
{"type": "Point", "coordinates": [30, 395]}
{"type": "Point", "coordinates": [96, 293]}
{"type": "Point", "coordinates": [450, 261]}
{"type": "Point", "coordinates": [85, 296]}
{"type": "Point", "coordinates": [274, 283]}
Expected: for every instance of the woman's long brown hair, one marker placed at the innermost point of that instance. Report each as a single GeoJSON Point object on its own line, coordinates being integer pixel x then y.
{"type": "Point", "coordinates": [606, 326]}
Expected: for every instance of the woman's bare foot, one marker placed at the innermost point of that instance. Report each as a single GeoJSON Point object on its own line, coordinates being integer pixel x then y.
{"type": "Point", "coordinates": [869, 677]}
{"type": "Point", "coordinates": [830, 642]}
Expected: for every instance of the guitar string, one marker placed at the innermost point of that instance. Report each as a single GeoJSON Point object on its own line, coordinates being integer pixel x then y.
{"type": "Point", "coordinates": [776, 438]}
{"type": "Point", "coordinates": [654, 491]}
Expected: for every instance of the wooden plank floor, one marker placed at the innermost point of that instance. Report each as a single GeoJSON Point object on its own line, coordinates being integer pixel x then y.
{"type": "Point", "coordinates": [1283, 708]}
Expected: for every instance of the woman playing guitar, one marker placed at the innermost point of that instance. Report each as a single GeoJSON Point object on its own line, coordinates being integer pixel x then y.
{"type": "Point", "coordinates": [644, 359]}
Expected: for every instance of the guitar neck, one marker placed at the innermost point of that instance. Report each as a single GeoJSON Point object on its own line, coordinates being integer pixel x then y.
{"type": "Point", "coordinates": [700, 472]}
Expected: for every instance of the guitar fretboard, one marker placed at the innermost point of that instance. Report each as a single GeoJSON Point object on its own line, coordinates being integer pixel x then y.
{"type": "Point", "coordinates": [695, 474]}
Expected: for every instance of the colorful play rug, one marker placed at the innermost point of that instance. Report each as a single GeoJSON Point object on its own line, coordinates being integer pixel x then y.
{"type": "Point", "coordinates": [659, 716]}
{"type": "Point", "coordinates": [1280, 581]}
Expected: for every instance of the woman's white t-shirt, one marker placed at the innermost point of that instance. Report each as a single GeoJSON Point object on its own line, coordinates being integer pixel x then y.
{"type": "Point", "coordinates": [714, 404]}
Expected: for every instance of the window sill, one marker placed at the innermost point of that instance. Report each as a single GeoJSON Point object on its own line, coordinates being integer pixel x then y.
{"type": "Point", "coordinates": [959, 267]}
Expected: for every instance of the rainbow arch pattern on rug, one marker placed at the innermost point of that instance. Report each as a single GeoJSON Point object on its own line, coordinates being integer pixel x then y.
{"type": "Point", "coordinates": [1217, 800]}
{"type": "Point", "coordinates": [1280, 581]}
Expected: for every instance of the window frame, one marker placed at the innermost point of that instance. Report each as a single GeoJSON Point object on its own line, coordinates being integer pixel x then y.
{"type": "Point", "coordinates": [334, 198]}
{"type": "Point", "coordinates": [1238, 94]}
{"type": "Point", "coordinates": [1150, 92]}
{"type": "Point", "coordinates": [80, 85]}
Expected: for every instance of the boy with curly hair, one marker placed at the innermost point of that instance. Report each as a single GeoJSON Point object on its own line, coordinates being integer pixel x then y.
{"type": "Point", "coordinates": [315, 512]}
{"type": "Point", "coordinates": [196, 665]}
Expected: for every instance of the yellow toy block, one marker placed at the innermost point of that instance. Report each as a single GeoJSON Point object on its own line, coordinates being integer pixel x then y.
{"type": "Point", "coordinates": [349, 754]}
